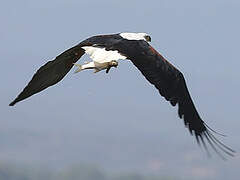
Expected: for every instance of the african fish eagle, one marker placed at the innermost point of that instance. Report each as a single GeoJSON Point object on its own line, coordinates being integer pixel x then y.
{"type": "Point", "coordinates": [105, 51]}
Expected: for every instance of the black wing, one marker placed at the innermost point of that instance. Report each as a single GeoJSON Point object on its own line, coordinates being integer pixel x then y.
{"type": "Point", "coordinates": [54, 71]}
{"type": "Point", "coordinates": [171, 84]}
{"type": "Point", "coordinates": [50, 73]}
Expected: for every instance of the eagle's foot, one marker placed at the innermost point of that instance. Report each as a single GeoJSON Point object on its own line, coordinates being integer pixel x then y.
{"type": "Point", "coordinates": [79, 67]}
{"type": "Point", "coordinates": [112, 63]}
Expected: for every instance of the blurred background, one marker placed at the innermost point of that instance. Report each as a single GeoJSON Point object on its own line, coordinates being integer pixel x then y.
{"type": "Point", "coordinates": [116, 126]}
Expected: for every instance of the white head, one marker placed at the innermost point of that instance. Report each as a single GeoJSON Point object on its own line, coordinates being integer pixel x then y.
{"type": "Point", "coordinates": [136, 36]}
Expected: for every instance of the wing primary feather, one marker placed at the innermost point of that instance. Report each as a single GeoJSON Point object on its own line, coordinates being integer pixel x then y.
{"type": "Point", "coordinates": [220, 144]}
{"type": "Point", "coordinates": [216, 132]}
{"type": "Point", "coordinates": [197, 138]}
{"type": "Point", "coordinates": [205, 146]}
{"type": "Point", "coordinates": [214, 148]}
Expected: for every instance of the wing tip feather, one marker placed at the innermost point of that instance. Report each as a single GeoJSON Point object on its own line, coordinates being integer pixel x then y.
{"type": "Point", "coordinates": [220, 148]}
{"type": "Point", "coordinates": [12, 103]}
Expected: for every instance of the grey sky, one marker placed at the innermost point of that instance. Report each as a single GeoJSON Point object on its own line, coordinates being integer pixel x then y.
{"type": "Point", "coordinates": [118, 120]}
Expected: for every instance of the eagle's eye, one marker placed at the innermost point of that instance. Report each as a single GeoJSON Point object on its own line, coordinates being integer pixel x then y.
{"type": "Point", "coordinates": [148, 38]}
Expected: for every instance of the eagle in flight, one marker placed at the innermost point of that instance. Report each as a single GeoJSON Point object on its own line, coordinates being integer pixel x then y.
{"type": "Point", "coordinates": [105, 51]}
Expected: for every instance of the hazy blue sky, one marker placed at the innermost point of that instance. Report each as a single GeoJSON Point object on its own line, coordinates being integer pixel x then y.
{"type": "Point", "coordinates": [118, 120]}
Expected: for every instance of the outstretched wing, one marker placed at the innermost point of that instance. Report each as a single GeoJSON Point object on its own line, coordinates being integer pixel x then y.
{"type": "Point", "coordinates": [50, 73]}
{"type": "Point", "coordinates": [171, 84]}
{"type": "Point", "coordinates": [54, 71]}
